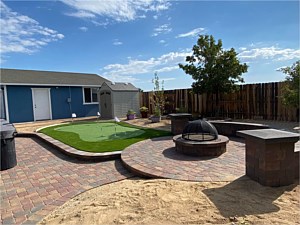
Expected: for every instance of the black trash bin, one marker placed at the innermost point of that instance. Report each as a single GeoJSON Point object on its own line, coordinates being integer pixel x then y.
{"type": "Point", "coordinates": [8, 150]}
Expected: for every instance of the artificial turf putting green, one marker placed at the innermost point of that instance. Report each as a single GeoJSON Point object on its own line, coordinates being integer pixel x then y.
{"type": "Point", "coordinates": [92, 132]}
{"type": "Point", "coordinates": [101, 136]}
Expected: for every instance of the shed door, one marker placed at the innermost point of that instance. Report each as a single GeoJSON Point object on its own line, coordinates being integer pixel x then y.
{"type": "Point", "coordinates": [105, 101]}
{"type": "Point", "coordinates": [41, 103]}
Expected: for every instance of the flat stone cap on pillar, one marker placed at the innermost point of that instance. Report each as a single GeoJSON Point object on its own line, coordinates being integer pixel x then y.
{"type": "Point", "coordinates": [270, 135]}
{"type": "Point", "coordinates": [180, 115]}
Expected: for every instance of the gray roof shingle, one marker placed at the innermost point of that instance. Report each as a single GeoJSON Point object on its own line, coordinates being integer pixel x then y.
{"type": "Point", "coordinates": [35, 77]}
{"type": "Point", "coordinates": [118, 86]}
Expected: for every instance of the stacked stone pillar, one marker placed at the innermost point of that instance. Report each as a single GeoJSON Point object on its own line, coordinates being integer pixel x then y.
{"type": "Point", "coordinates": [270, 156]}
{"type": "Point", "coordinates": [179, 121]}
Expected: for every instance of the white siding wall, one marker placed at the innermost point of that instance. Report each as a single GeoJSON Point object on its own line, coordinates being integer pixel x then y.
{"type": "Point", "coordinates": [123, 101]}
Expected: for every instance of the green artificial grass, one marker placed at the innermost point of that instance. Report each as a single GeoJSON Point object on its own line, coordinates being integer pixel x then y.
{"type": "Point", "coordinates": [93, 132]}
{"type": "Point", "coordinates": [101, 136]}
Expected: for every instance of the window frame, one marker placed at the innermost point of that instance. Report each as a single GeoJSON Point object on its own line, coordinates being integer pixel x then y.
{"type": "Point", "coordinates": [91, 93]}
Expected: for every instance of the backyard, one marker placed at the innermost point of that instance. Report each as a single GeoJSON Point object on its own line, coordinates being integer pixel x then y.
{"type": "Point", "coordinates": [149, 112]}
{"type": "Point", "coordinates": [48, 194]}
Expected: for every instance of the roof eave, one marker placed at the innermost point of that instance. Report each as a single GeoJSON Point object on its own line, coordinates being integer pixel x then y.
{"type": "Point", "coordinates": [61, 85]}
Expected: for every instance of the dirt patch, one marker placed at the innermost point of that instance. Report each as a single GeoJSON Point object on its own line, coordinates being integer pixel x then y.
{"type": "Point", "coordinates": [163, 201]}
{"type": "Point", "coordinates": [164, 124]}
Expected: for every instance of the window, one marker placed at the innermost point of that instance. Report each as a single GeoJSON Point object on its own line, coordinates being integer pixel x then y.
{"type": "Point", "coordinates": [90, 95]}
{"type": "Point", "coordinates": [94, 95]}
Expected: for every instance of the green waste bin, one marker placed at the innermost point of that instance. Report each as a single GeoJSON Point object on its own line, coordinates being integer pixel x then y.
{"type": "Point", "coordinates": [8, 149]}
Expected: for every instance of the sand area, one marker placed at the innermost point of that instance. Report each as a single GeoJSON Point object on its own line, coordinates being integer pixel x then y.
{"type": "Point", "coordinates": [161, 201]}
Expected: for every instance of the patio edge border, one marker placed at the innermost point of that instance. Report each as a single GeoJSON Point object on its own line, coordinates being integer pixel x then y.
{"type": "Point", "coordinates": [70, 151]}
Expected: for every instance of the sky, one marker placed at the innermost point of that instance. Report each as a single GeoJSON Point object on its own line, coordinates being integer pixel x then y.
{"type": "Point", "coordinates": [128, 41]}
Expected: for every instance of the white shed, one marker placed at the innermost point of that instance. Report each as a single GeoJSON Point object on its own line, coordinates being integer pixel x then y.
{"type": "Point", "coordinates": [117, 98]}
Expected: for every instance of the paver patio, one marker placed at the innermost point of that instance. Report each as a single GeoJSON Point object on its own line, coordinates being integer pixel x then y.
{"type": "Point", "coordinates": [45, 179]}
{"type": "Point", "coordinates": [157, 158]}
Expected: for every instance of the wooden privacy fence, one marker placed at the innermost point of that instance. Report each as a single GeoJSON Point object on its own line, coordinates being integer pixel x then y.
{"type": "Point", "coordinates": [251, 101]}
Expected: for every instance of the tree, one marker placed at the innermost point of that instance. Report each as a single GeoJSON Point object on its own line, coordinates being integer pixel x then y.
{"type": "Point", "coordinates": [158, 98]}
{"type": "Point", "coordinates": [214, 69]}
{"type": "Point", "coordinates": [291, 90]}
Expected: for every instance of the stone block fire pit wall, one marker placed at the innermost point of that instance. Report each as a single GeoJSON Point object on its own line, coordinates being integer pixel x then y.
{"type": "Point", "coordinates": [205, 148]}
{"type": "Point", "coordinates": [200, 138]}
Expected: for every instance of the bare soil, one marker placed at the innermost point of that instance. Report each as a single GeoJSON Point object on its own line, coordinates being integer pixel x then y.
{"type": "Point", "coordinates": [161, 201]}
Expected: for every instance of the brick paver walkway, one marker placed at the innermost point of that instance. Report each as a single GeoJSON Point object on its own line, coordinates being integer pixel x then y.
{"type": "Point", "coordinates": [157, 158]}
{"type": "Point", "coordinates": [45, 179]}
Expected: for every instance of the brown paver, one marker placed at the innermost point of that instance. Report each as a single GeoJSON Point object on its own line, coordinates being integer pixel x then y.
{"type": "Point", "coordinates": [157, 158]}
{"type": "Point", "coordinates": [70, 151]}
{"type": "Point", "coordinates": [44, 179]}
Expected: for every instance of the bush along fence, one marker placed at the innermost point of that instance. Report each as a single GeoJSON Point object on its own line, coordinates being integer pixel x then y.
{"type": "Point", "coordinates": [251, 101]}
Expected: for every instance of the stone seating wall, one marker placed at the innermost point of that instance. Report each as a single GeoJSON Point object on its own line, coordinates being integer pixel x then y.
{"type": "Point", "coordinates": [229, 128]}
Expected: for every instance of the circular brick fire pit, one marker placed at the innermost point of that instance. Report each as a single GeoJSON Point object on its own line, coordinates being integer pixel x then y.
{"type": "Point", "coordinates": [205, 148]}
{"type": "Point", "coordinates": [200, 138]}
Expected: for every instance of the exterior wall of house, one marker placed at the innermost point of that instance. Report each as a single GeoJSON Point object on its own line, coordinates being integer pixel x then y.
{"type": "Point", "coordinates": [19, 101]}
{"type": "Point", "coordinates": [62, 109]}
{"type": "Point", "coordinates": [20, 105]}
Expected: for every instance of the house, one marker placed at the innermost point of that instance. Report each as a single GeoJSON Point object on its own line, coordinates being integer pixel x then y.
{"type": "Point", "coordinates": [117, 98]}
{"type": "Point", "coordinates": [29, 95]}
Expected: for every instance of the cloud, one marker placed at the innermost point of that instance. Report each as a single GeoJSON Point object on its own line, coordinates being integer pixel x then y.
{"type": "Point", "coordinates": [191, 33]}
{"type": "Point", "coordinates": [168, 79]}
{"type": "Point", "coordinates": [163, 29]}
{"type": "Point", "coordinates": [117, 42]}
{"type": "Point", "coordinates": [167, 69]}
{"type": "Point", "coordinates": [22, 34]}
{"type": "Point", "coordinates": [164, 63]}
{"type": "Point", "coordinates": [81, 14]}
{"type": "Point", "coordinates": [60, 36]}
{"type": "Point", "coordinates": [270, 53]}
{"type": "Point", "coordinates": [84, 29]}
{"type": "Point", "coordinates": [121, 78]}
{"type": "Point", "coordinates": [116, 10]}
{"type": "Point", "coordinates": [280, 68]}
